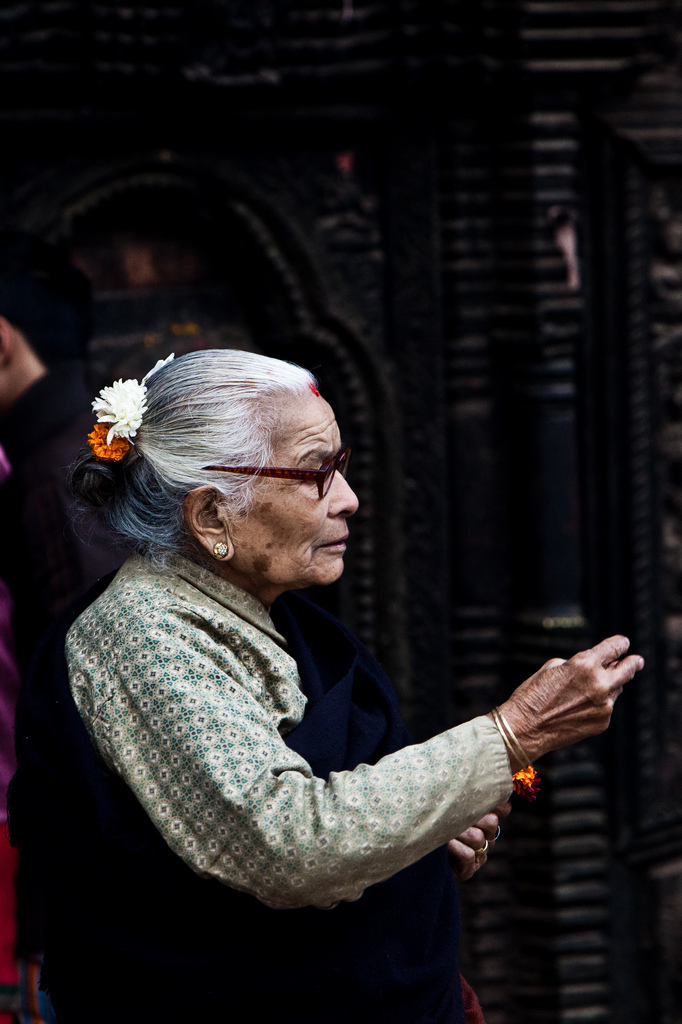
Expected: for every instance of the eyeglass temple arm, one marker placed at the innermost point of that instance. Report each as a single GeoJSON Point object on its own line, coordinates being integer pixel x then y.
{"type": "Point", "coordinates": [291, 474]}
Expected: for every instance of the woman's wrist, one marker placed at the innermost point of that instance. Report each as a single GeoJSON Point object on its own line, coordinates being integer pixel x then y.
{"type": "Point", "coordinates": [522, 747]}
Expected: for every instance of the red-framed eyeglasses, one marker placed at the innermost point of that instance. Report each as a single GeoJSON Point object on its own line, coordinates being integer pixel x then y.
{"type": "Point", "coordinates": [323, 476]}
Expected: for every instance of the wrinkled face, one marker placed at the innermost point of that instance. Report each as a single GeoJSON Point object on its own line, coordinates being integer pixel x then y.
{"type": "Point", "coordinates": [292, 538]}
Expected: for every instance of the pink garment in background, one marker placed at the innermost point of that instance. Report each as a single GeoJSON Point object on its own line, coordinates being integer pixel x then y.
{"type": "Point", "coordinates": [9, 675]}
{"type": "Point", "coordinates": [9, 690]}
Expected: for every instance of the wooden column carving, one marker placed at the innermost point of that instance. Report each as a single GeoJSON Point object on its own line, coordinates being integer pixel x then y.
{"type": "Point", "coordinates": [416, 347]}
{"type": "Point", "coordinates": [559, 964]}
{"type": "Point", "coordinates": [479, 568]}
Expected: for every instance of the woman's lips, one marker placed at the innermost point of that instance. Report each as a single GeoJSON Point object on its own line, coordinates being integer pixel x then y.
{"type": "Point", "coordinates": [340, 543]}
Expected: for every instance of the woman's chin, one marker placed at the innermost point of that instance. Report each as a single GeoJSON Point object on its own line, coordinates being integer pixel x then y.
{"type": "Point", "coordinates": [326, 572]}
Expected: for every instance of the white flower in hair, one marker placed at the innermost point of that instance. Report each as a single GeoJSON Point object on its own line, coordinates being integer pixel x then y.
{"type": "Point", "coordinates": [123, 404]}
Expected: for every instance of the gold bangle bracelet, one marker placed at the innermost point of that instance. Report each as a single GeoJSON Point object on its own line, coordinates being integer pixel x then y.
{"type": "Point", "coordinates": [509, 737]}
{"type": "Point", "coordinates": [524, 756]}
{"type": "Point", "coordinates": [512, 750]}
{"type": "Point", "coordinates": [515, 746]}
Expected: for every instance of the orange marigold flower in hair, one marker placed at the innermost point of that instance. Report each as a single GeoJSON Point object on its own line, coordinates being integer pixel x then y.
{"type": "Point", "coordinates": [526, 783]}
{"type": "Point", "coordinates": [114, 452]}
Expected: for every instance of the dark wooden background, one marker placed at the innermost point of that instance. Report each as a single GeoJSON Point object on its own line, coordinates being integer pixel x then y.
{"type": "Point", "coordinates": [381, 189]}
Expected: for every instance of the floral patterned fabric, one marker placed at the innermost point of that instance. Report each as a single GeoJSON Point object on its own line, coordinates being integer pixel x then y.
{"type": "Point", "coordinates": [187, 691]}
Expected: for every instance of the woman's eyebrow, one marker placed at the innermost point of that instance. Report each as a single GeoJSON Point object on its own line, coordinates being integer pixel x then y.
{"type": "Point", "coordinates": [320, 454]}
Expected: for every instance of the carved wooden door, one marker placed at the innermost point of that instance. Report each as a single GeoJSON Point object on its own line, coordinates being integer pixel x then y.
{"type": "Point", "coordinates": [634, 355]}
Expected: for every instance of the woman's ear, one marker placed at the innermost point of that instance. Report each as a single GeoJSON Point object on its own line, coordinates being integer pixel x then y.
{"type": "Point", "coordinates": [206, 522]}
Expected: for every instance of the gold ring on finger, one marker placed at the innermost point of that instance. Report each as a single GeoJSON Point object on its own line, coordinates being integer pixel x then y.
{"type": "Point", "coordinates": [483, 848]}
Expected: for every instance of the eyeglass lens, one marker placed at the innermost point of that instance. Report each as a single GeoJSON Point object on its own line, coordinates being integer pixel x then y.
{"type": "Point", "coordinates": [341, 463]}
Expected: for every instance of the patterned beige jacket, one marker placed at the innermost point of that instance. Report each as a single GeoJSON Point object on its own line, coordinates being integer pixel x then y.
{"type": "Point", "coordinates": [187, 691]}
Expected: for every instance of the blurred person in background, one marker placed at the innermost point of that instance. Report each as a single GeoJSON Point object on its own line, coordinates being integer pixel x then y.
{"type": "Point", "coordinates": [45, 560]}
{"type": "Point", "coordinates": [45, 325]}
{"type": "Point", "coordinates": [9, 689]}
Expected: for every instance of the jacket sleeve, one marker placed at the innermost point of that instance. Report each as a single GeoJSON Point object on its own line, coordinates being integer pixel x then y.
{"type": "Point", "coordinates": [197, 742]}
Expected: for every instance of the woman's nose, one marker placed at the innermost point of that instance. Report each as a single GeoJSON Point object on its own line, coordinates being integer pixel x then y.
{"type": "Point", "coordinates": [343, 501]}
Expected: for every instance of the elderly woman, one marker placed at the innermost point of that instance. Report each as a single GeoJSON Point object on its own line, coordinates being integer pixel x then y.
{"type": "Point", "coordinates": [228, 814]}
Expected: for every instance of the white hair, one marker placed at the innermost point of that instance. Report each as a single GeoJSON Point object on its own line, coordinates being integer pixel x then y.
{"type": "Point", "coordinates": [216, 407]}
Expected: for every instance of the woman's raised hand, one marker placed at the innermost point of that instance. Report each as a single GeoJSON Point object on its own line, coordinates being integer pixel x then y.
{"type": "Point", "coordinates": [567, 701]}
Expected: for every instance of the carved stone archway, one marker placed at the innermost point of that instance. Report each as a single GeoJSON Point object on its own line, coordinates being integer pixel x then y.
{"type": "Point", "coordinates": [275, 271]}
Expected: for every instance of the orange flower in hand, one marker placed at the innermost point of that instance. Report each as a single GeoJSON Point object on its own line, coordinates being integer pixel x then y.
{"type": "Point", "coordinates": [526, 783]}
{"type": "Point", "coordinates": [114, 452]}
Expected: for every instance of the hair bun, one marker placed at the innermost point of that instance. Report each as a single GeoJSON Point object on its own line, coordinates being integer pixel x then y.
{"type": "Point", "coordinates": [92, 481]}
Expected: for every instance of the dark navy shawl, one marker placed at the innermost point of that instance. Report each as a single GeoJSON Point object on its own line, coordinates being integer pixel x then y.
{"type": "Point", "coordinates": [135, 935]}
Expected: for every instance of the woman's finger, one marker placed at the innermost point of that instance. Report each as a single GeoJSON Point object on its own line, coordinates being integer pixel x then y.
{"type": "Point", "coordinates": [463, 861]}
{"type": "Point", "coordinates": [622, 672]}
{"type": "Point", "coordinates": [484, 831]}
{"type": "Point", "coordinates": [473, 837]}
{"type": "Point", "coordinates": [609, 650]}
{"type": "Point", "coordinates": [488, 826]}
